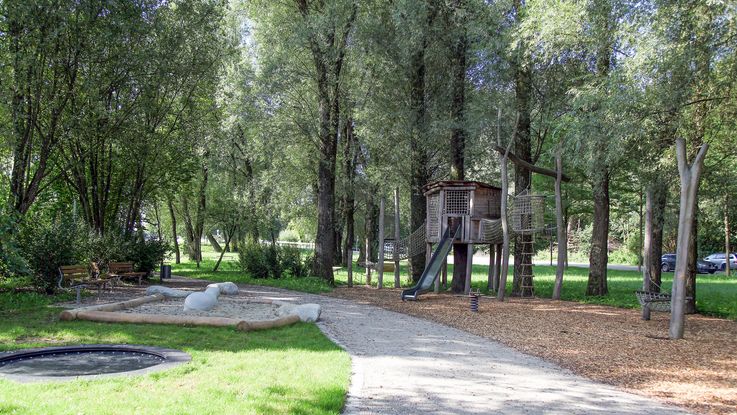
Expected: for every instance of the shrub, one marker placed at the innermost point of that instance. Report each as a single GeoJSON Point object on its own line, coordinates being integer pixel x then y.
{"type": "Point", "coordinates": [103, 249]}
{"type": "Point", "coordinates": [290, 261]}
{"type": "Point", "coordinates": [12, 262]}
{"type": "Point", "coordinates": [252, 259]}
{"type": "Point", "coordinates": [47, 246]}
{"type": "Point", "coordinates": [146, 254]}
{"type": "Point", "coordinates": [266, 261]}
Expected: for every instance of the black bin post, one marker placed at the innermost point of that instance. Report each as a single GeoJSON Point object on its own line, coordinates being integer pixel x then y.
{"type": "Point", "coordinates": [165, 272]}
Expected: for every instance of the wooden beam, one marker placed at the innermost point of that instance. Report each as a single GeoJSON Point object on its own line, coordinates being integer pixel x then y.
{"type": "Point", "coordinates": [540, 170]}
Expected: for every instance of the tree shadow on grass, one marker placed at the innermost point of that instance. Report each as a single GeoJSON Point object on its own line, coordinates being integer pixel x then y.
{"type": "Point", "coordinates": [324, 401]}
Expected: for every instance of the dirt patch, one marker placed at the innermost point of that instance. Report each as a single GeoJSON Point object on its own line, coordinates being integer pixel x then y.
{"type": "Point", "coordinates": [607, 344]}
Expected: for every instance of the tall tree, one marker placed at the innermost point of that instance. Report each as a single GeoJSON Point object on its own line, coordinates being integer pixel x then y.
{"type": "Point", "coordinates": [327, 30]}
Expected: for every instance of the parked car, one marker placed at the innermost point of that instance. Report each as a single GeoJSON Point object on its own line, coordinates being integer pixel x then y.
{"type": "Point", "coordinates": [668, 263]}
{"type": "Point", "coordinates": [721, 260]}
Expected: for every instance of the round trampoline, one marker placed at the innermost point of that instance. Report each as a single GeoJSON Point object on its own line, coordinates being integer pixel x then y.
{"type": "Point", "coordinates": [85, 361]}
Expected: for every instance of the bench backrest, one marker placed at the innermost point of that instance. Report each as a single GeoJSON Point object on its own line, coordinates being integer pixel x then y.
{"type": "Point", "coordinates": [70, 273]}
{"type": "Point", "coordinates": [120, 267]}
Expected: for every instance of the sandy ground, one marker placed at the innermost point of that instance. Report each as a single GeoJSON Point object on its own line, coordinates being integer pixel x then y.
{"type": "Point", "coordinates": [607, 344]}
{"type": "Point", "coordinates": [237, 307]}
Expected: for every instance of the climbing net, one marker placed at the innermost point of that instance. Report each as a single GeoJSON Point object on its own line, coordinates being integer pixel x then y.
{"type": "Point", "coordinates": [528, 213]}
{"type": "Point", "coordinates": [412, 245]}
{"type": "Point", "coordinates": [491, 231]}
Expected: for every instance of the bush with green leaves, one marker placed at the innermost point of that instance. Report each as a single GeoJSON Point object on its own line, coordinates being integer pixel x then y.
{"type": "Point", "coordinates": [47, 245]}
{"type": "Point", "coordinates": [146, 254]}
{"type": "Point", "coordinates": [290, 262]}
{"type": "Point", "coordinates": [267, 261]}
{"type": "Point", "coordinates": [252, 259]}
{"type": "Point", "coordinates": [12, 262]}
{"type": "Point", "coordinates": [103, 249]}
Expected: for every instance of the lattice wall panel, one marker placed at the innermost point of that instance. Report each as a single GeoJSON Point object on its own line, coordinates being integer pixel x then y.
{"type": "Point", "coordinates": [433, 209]}
{"type": "Point", "coordinates": [457, 202]}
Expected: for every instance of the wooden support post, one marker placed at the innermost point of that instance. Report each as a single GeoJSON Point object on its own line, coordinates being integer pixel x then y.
{"type": "Point", "coordinates": [349, 255]}
{"type": "Point", "coordinates": [469, 269]}
{"type": "Point", "coordinates": [561, 234]}
{"type": "Point", "coordinates": [368, 262]}
{"type": "Point", "coordinates": [690, 176]}
{"type": "Point", "coordinates": [497, 266]}
{"type": "Point", "coordinates": [490, 277]}
{"type": "Point", "coordinates": [397, 282]}
{"type": "Point", "coordinates": [380, 266]}
{"type": "Point", "coordinates": [647, 244]}
{"type": "Point", "coordinates": [505, 189]}
{"type": "Point", "coordinates": [436, 289]}
{"type": "Point", "coordinates": [445, 273]}
{"type": "Point", "coordinates": [428, 254]}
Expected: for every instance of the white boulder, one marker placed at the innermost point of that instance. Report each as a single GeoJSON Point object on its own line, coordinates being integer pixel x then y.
{"type": "Point", "coordinates": [203, 301]}
{"type": "Point", "coordinates": [309, 313]}
{"type": "Point", "coordinates": [227, 288]}
{"type": "Point", "coordinates": [166, 291]}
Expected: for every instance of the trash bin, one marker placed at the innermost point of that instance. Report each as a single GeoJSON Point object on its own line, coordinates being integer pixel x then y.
{"type": "Point", "coordinates": [165, 272]}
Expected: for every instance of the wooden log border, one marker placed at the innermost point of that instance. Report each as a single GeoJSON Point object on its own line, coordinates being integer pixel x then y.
{"type": "Point", "coordinates": [108, 313]}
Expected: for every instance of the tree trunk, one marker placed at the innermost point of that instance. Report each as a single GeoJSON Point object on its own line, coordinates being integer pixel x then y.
{"type": "Point", "coordinates": [560, 228]}
{"type": "Point", "coordinates": [349, 204]}
{"type": "Point", "coordinates": [199, 227]}
{"type": "Point", "coordinates": [189, 229]}
{"type": "Point", "coordinates": [503, 208]}
{"type": "Point", "coordinates": [328, 53]}
{"type": "Point", "coordinates": [222, 251]}
{"type": "Point", "coordinates": [727, 247]}
{"type": "Point", "coordinates": [660, 192]}
{"type": "Point", "coordinates": [158, 221]}
{"type": "Point", "coordinates": [371, 226]}
{"type": "Point", "coordinates": [690, 177]}
{"type": "Point", "coordinates": [647, 243]}
{"type": "Point", "coordinates": [693, 257]}
{"type": "Point", "coordinates": [460, 259]}
{"type": "Point", "coordinates": [458, 135]}
{"type": "Point", "coordinates": [380, 254]}
{"type": "Point", "coordinates": [505, 231]}
{"type": "Point", "coordinates": [418, 162]}
{"type": "Point", "coordinates": [599, 254]}
{"type": "Point", "coordinates": [458, 103]}
{"type": "Point", "coordinates": [397, 236]}
{"type": "Point", "coordinates": [214, 243]}
{"type": "Point", "coordinates": [522, 149]}
{"type": "Point", "coordinates": [325, 237]}
{"type": "Point", "coordinates": [174, 231]}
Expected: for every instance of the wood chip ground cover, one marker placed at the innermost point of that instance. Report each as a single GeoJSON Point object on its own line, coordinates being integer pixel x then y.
{"type": "Point", "coordinates": [608, 344]}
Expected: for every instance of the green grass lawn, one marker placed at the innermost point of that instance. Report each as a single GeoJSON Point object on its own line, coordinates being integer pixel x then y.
{"type": "Point", "coordinates": [291, 370]}
{"type": "Point", "coordinates": [716, 294]}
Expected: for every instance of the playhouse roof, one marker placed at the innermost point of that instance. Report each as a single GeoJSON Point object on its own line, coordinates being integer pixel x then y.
{"type": "Point", "coordinates": [439, 184]}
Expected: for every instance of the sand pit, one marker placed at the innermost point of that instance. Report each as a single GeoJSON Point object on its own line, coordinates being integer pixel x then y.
{"type": "Point", "coordinates": [229, 307]}
{"type": "Point", "coordinates": [241, 312]}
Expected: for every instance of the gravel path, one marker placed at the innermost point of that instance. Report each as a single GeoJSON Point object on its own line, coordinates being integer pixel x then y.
{"type": "Point", "coordinates": [406, 365]}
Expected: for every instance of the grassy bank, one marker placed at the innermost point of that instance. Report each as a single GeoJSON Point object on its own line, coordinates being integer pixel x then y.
{"type": "Point", "coordinates": [284, 371]}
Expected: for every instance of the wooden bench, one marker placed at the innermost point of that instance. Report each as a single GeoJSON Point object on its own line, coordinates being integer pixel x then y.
{"type": "Point", "coordinates": [78, 277]}
{"type": "Point", "coordinates": [124, 270]}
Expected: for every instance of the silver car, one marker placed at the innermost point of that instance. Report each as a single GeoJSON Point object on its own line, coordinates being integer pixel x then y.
{"type": "Point", "coordinates": [720, 260]}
